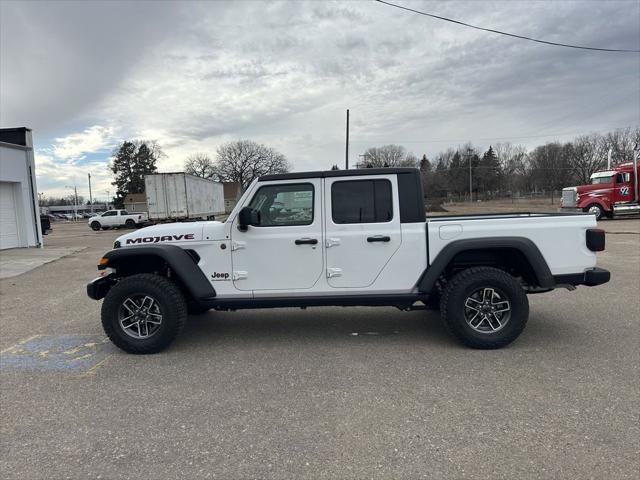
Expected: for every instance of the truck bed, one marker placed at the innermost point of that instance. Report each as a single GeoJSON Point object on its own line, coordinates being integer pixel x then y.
{"type": "Point", "coordinates": [560, 237]}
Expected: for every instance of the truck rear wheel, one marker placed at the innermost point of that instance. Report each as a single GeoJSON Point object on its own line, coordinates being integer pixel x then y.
{"type": "Point", "coordinates": [130, 223]}
{"type": "Point", "coordinates": [484, 307]}
{"type": "Point", "coordinates": [143, 313]}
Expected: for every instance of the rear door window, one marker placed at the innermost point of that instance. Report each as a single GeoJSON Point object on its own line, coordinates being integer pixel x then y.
{"type": "Point", "coordinates": [361, 201]}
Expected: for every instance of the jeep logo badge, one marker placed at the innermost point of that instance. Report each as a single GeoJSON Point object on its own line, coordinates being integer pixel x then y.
{"type": "Point", "coordinates": [217, 276]}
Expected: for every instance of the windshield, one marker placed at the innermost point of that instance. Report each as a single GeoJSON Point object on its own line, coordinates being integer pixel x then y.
{"type": "Point", "coordinates": [597, 180]}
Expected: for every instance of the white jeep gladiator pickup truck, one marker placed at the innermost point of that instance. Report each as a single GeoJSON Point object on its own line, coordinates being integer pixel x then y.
{"type": "Point", "coordinates": [350, 238]}
{"type": "Point", "coordinates": [117, 218]}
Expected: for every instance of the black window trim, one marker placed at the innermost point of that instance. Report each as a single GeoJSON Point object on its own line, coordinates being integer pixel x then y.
{"type": "Point", "coordinates": [313, 203]}
{"type": "Point", "coordinates": [388, 180]}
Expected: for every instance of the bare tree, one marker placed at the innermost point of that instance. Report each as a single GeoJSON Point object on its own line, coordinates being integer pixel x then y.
{"type": "Point", "coordinates": [201, 165]}
{"type": "Point", "coordinates": [586, 154]}
{"type": "Point", "coordinates": [244, 160]}
{"type": "Point", "coordinates": [550, 166]}
{"type": "Point", "coordinates": [621, 143]}
{"type": "Point", "coordinates": [388, 156]}
{"type": "Point", "coordinates": [513, 163]}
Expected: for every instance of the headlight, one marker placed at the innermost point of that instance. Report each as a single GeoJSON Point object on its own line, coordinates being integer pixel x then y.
{"type": "Point", "coordinates": [116, 244]}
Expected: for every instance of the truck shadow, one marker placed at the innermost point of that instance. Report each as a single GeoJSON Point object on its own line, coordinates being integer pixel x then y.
{"type": "Point", "coordinates": [315, 325]}
{"type": "Point", "coordinates": [377, 325]}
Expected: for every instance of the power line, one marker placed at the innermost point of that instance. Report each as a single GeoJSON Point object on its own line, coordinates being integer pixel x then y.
{"type": "Point", "coordinates": [507, 34]}
{"type": "Point", "coordinates": [449, 140]}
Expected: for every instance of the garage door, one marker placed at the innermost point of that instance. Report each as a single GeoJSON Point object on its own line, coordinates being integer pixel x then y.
{"type": "Point", "coordinates": [8, 222]}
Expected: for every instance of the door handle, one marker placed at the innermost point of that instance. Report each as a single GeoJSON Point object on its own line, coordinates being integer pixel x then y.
{"type": "Point", "coordinates": [379, 238]}
{"type": "Point", "coordinates": [306, 241]}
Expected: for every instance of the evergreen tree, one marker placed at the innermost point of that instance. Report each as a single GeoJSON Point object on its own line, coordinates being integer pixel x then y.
{"type": "Point", "coordinates": [457, 174]}
{"type": "Point", "coordinates": [489, 172]}
{"type": "Point", "coordinates": [131, 161]}
{"type": "Point", "coordinates": [425, 165]}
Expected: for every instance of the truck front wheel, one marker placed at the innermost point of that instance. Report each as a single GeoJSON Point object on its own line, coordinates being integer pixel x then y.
{"type": "Point", "coordinates": [595, 209]}
{"type": "Point", "coordinates": [143, 313]}
{"type": "Point", "coordinates": [95, 226]}
{"type": "Point", "coordinates": [484, 307]}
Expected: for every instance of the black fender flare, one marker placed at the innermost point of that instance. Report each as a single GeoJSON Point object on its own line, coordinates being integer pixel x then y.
{"type": "Point", "coordinates": [523, 245]}
{"type": "Point", "coordinates": [181, 263]}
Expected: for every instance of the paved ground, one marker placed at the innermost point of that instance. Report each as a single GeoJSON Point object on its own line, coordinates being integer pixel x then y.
{"type": "Point", "coordinates": [294, 394]}
{"type": "Point", "coordinates": [16, 261]}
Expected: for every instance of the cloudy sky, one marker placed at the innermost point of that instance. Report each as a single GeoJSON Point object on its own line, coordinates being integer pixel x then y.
{"type": "Point", "coordinates": [86, 75]}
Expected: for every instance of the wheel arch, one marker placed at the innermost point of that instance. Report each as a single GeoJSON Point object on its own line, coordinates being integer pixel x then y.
{"type": "Point", "coordinates": [518, 254]}
{"type": "Point", "coordinates": [587, 201]}
{"type": "Point", "coordinates": [180, 264]}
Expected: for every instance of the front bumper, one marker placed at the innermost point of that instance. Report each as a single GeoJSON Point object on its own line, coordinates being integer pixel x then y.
{"type": "Point", "coordinates": [590, 278]}
{"type": "Point", "coordinates": [99, 287]}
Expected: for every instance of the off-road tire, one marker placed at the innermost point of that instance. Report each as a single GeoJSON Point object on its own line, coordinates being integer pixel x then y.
{"type": "Point", "coordinates": [462, 285]}
{"type": "Point", "coordinates": [130, 223]}
{"type": "Point", "coordinates": [95, 226]}
{"type": "Point", "coordinates": [599, 213]}
{"type": "Point", "coordinates": [172, 306]}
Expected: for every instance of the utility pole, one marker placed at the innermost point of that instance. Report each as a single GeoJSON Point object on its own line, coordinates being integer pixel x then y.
{"type": "Point", "coordinates": [346, 153]}
{"type": "Point", "coordinates": [75, 201]}
{"type": "Point", "coordinates": [75, 193]}
{"type": "Point", "coordinates": [90, 197]}
{"type": "Point", "coordinates": [470, 177]}
{"type": "Point", "coordinates": [108, 198]}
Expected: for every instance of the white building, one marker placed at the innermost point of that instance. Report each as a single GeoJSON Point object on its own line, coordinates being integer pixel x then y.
{"type": "Point", "coordinates": [19, 213]}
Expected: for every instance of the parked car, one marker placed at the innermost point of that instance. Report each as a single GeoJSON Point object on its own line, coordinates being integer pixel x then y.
{"type": "Point", "coordinates": [116, 219]}
{"type": "Point", "coordinates": [45, 224]}
{"type": "Point", "coordinates": [345, 238]}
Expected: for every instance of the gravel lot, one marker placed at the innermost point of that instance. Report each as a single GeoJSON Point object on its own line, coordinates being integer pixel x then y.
{"type": "Point", "coordinates": [295, 394]}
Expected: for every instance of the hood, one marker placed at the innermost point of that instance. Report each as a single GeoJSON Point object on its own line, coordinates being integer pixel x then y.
{"type": "Point", "coordinates": [589, 193]}
{"type": "Point", "coordinates": [593, 189]}
{"type": "Point", "coordinates": [175, 233]}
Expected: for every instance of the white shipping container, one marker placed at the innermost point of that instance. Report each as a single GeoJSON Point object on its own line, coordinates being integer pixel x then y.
{"type": "Point", "coordinates": [176, 196]}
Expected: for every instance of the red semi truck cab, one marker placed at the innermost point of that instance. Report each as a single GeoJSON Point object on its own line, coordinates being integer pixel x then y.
{"type": "Point", "coordinates": [611, 193]}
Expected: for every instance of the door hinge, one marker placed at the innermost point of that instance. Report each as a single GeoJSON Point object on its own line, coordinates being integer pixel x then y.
{"type": "Point", "coordinates": [240, 275]}
{"type": "Point", "coordinates": [238, 245]}
{"type": "Point", "coordinates": [334, 272]}
{"type": "Point", "coordinates": [331, 242]}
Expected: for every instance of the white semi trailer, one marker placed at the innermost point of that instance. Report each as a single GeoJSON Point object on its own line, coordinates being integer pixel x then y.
{"type": "Point", "coordinates": [180, 196]}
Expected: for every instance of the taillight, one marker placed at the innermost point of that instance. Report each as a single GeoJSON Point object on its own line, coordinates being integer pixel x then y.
{"type": "Point", "coordinates": [595, 239]}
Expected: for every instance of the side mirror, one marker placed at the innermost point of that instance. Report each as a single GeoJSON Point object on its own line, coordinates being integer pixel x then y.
{"type": "Point", "coordinates": [248, 216]}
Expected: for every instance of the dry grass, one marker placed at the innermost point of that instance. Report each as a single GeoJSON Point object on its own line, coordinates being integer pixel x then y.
{"type": "Point", "coordinates": [536, 205]}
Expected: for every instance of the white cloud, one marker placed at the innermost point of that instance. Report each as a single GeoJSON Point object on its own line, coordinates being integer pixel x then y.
{"type": "Point", "coordinates": [54, 177]}
{"type": "Point", "coordinates": [75, 145]}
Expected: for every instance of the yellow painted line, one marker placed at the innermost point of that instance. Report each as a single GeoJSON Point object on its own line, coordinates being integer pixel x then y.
{"type": "Point", "coordinates": [21, 342]}
{"type": "Point", "coordinates": [88, 355]}
{"type": "Point", "coordinates": [92, 371]}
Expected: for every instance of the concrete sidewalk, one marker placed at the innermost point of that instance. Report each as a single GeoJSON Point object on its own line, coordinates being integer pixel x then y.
{"type": "Point", "coordinates": [16, 261]}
